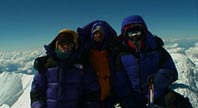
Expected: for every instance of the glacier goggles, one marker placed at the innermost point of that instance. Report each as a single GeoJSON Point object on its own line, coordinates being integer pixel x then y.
{"type": "Point", "coordinates": [134, 33]}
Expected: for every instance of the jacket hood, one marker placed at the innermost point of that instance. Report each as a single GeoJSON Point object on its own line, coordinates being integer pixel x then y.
{"type": "Point", "coordinates": [133, 19]}
{"type": "Point", "coordinates": [86, 33]}
{"type": "Point", "coordinates": [149, 40]}
{"type": "Point", "coordinates": [50, 48]}
{"type": "Point", "coordinates": [106, 28]}
{"type": "Point", "coordinates": [98, 26]}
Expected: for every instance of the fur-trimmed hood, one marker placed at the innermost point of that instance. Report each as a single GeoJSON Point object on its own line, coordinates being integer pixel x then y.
{"type": "Point", "coordinates": [50, 48]}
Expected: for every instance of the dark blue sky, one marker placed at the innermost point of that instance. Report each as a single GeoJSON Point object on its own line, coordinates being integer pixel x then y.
{"type": "Point", "coordinates": [29, 24]}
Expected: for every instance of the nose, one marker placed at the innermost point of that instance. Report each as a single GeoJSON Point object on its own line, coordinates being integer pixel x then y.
{"type": "Point", "coordinates": [97, 34]}
{"type": "Point", "coordinates": [65, 46]}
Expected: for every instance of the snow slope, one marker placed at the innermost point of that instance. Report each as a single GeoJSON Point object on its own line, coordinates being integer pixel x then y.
{"type": "Point", "coordinates": [16, 73]}
{"type": "Point", "coordinates": [187, 69]}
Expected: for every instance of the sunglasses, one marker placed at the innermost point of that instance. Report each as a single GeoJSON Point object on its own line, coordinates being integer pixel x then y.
{"type": "Point", "coordinates": [134, 33]}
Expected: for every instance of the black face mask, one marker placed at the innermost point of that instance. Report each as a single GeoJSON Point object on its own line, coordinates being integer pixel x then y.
{"type": "Point", "coordinates": [134, 33]}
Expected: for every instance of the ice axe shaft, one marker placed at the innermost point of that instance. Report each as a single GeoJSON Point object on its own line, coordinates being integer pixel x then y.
{"type": "Point", "coordinates": [151, 93]}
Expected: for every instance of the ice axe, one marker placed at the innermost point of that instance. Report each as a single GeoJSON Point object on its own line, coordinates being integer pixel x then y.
{"type": "Point", "coordinates": [150, 103]}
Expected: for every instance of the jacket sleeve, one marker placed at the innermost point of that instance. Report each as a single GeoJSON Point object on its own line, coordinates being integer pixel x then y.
{"type": "Point", "coordinates": [91, 89]}
{"type": "Point", "coordinates": [167, 72]}
{"type": "Point", "coordinates": [37, 93]}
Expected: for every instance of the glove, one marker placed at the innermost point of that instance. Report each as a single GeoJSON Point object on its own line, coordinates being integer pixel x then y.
{"type": "Point", "coordinates": [160, 81]}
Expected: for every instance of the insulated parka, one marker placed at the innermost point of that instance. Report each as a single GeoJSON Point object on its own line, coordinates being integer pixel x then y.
{"type": "Point", "coordinates": [63, 84]}
{"type": "Point", "coordinates": [132, 71]}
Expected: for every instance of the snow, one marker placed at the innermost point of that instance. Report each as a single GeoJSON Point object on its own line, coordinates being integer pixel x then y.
{"type": "Point", "coordinates": [187, 65]}
{"type": "Point", "coordinates": [11, 87]}
{"type": "Point", "coordinates": [16, 90]}
{"type": "Point", "coordinates": [24, 99]}
{"type": "Point", "coordinates": [16, 73]}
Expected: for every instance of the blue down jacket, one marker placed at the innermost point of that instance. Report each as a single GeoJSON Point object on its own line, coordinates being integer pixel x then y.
{"type": "Point", "coordinates": [63, 84]}
{"type": "Point", "coordinates": [130, 78]}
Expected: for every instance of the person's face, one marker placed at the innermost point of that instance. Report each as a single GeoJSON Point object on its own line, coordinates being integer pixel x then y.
{"type": "Point", "coordinates": [98, 36]}
{"type": "Point", "coordinates": [65, 46]}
